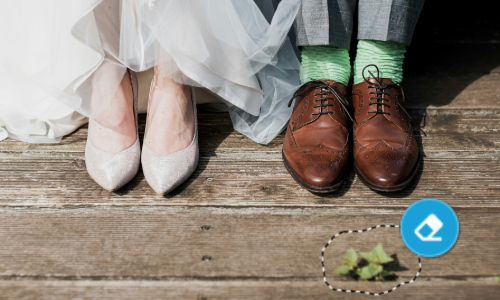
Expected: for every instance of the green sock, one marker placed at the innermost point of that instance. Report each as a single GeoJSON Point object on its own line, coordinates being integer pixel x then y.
{"type": "Point", "coordinates": [387, 56]}
{"type": "Point", "coordinates": [325, 62]}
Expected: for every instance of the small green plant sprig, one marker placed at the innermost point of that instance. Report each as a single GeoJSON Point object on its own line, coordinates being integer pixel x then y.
{"type": "Point", "coordinates": [374, 270]}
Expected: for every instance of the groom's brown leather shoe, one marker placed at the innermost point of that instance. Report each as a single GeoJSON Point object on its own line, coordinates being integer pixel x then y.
{"type": "Point", "coordinates": [316, 146]}
{"type": "Point", "coordinates": [386, 155]}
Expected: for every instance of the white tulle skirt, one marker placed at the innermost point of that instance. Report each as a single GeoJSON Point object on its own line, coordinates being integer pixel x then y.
{"type": "Point", "coordinates": [65, 59]}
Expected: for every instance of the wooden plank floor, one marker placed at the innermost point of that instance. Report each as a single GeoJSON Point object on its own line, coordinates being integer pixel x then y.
{"type": "Point", "coordinates": [241, 228]}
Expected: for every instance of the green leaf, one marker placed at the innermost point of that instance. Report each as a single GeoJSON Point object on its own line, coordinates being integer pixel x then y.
{"type": "Point", "coordinates": [377, 256]}
{"type": "Point", "coordinates": [382, 257]}
{"type": "Point", "coordinates": [385, 273]}
{"type": "Point", "coordinates": [351, 258]}
{"type": "Point", "coordinates": [369, 257]}
{"type": "Point", "coordinates": [342, 270]}
{"type": "Point", "coordinates": [369, 271]}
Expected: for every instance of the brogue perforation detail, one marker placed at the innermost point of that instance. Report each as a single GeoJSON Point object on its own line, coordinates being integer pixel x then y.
{"type": "Point", "coordinates": [384, 143]}
{"type": "Point", "coordinates": [304, 109]}
{"type": "Point", "coordinates": [391, 157]}
{"type": "Point", "coordinates": [319, 147]}
{"type": "Point", "coordinates": [388, 159]}
{"type": "Point", "coordinates": [320, 163]}
{"type": "Point", "coordinates": [360, 105]}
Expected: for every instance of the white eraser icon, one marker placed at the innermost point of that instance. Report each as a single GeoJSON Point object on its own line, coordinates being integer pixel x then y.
{"type": "Point", "coordinates": [435, 224]}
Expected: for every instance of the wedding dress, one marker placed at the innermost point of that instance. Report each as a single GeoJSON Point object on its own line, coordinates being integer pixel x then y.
{"type": "Point", "coordinates": [62, 61]}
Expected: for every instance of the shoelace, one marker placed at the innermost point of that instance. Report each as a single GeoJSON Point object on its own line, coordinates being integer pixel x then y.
{"type": "Point", "coordinates": [380, 91]}
{"type": "Point", "coordinates": [326, 89]}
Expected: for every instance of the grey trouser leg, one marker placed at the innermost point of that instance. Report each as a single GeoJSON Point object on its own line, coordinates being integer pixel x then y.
{"type": "Point", "coordinates": [329, 22]}
{"type": "Point", "coordinates": [388, 20]}
{"type": "Point", "coordinates": [325, 22]}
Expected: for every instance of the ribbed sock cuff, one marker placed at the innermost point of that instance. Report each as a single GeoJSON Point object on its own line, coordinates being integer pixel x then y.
{"type": "Point", "coordinates": [325, 62]}
{"type": "Point", "coordinates": [387, 56]}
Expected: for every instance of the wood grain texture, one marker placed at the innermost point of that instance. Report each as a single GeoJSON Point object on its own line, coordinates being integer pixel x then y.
{"type": "Point", "coordinates": [234, 290]}
{"type": "Point", "coordinates": [241, 181]}
{"type": "Point", "coordinates": [164, 243]}
{"type": "Point", "coordinates": [440, 133]}
{"type": "Point", "coordinates": [454, 91]}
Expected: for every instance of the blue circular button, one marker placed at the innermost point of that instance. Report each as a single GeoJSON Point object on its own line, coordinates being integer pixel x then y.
{"type": "Point", "coordinates": [429, 227]}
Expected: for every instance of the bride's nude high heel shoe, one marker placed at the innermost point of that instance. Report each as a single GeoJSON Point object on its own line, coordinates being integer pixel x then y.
{"type": "Point", "coordinates": [113, 170]}
{"type": "Point", "coordinates": [165, 172]}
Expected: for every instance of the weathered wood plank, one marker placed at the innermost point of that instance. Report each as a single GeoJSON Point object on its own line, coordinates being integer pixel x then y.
{"type": "Point", "coordinates": [440, 133]}
{"type": "Point", "coordinates": [455, 91]}
{"type": "Point", "coordinates": [231, 290]}
{"type": "Point", "coordinates": [233, 180]}
{"type": "Point", "coordinates": [164, 243]}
